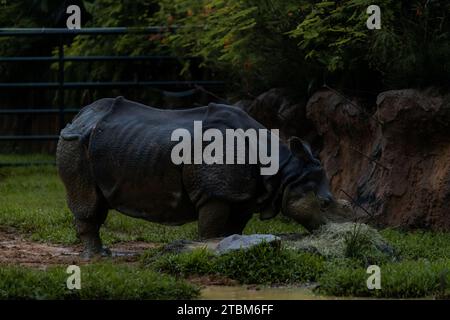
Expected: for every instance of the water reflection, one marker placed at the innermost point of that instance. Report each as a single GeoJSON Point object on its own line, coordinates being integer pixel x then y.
{"type": "Point", "coordinates": [262, 293]}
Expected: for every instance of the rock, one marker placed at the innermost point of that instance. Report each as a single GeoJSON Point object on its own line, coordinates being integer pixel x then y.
{"type": "Point", "coordinates": [392, 155]}
{"type": "Point", "coordinates": [181, 246]}
{"type": "Point", "coordinates": [222, 245]}
{"type": "Point", "coordinates": [238, 242]}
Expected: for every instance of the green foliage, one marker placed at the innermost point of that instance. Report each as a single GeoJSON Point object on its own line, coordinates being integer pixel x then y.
{"type": "Point", "coordinates": [410, 49]}
{"type": "Point", "coordinates": [259, 44]}
{"type": "Point", "coordinates": [301, 43]}
{"type": "Point", "coordinates": [98, 281]}
{"type": "Point", "coordinates": [262, 264]}
{"type": "Point", "coordinates": [246, 40]}
{"type": "Point", "coordinates": [332, 30]}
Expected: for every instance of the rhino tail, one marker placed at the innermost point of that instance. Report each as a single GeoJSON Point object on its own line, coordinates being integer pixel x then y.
{"type": "Point", "coordinates": [68, 134]}
{"type": "Point", "coordinates": [71, 136]}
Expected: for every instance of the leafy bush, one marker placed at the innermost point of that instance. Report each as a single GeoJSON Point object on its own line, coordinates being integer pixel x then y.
{"type": "Point", "coordinates": [247, 40]}
{"type": "Point", "coordinates": [259, 44]}
{"type": "Point", "coordinates": [411, 48]}
{"type": "Point", "coordinates": [302, 43]}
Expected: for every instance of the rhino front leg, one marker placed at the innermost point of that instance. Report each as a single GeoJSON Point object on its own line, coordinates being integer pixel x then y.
{"type": "Point", "coordinates": [213, 219]}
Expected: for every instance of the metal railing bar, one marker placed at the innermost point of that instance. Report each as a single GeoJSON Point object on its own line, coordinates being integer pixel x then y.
{"type": "Point", "coordinates": [27, 164]}
{"type": "Point", "coordinates": [36, 111]}
{"type": "Point", "coordinates": [56, 85]}
{"type": "Point", "coordinates": [30, 137]}
{"type": "Point", "coordinates": [89, 58]}
{"type": "Point", "coordinates": [61, 85]}
{"type": "Point", "coordinates": [7, 32]}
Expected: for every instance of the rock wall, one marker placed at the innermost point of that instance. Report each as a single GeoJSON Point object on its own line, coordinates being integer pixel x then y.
{"type": "Point", "coordinates": [394, 161]}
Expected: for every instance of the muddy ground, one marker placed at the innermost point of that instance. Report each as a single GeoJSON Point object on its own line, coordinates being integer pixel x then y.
{"type": "Point", "coordinates": [16, 250]}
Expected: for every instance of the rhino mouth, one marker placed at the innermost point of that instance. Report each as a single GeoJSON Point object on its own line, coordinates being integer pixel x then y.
{"type": "Point", "coordinates": [313, 212]}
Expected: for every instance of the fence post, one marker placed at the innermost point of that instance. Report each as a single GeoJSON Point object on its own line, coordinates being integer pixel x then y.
{"type": "Point", "coordinates": [61, 82]}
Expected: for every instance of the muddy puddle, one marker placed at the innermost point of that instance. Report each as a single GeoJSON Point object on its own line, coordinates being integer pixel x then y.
{"type": "Point", "coordinates": [260, 293]}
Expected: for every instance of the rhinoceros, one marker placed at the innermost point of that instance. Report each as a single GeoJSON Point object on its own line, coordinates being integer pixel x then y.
{"type": "Point", "coordinates": [116, 154]}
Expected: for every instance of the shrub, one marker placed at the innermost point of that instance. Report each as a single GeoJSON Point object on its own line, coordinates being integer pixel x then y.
{"type": "Point", "coordinates": [302, 43]}
{"type": "Point", "coordinates": [410, 49]}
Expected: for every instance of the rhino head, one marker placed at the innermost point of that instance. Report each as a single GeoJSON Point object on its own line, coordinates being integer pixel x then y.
{"type": "Point", "coordinates": [308, 199]}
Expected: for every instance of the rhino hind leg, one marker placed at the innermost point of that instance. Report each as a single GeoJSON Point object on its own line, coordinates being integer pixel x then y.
{"type": "Point", "coordinates": [84, 199]}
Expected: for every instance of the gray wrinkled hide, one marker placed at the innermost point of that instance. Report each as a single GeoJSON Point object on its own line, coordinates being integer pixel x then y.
{"type": "Point", "coordinates": [128, 148]}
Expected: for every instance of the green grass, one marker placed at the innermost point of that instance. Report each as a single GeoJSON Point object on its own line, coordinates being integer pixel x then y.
{"type": "Point", "coordinates": [419, 244]}
{"type": "Point", "coordinates": [98, 281]}
{"type": "Point", "coordinates": [405, 279]}
{"type": "Point", "coordinates": [17, 158]}
{"type": "Point", "coordinates": [262, 264]}
{"type": "Point", "coordinates": [265, 264]}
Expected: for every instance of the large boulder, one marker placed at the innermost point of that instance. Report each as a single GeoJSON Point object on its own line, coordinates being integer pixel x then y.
{"type": "Point", "coordinates": [393, 162]}
{"type": "Point", "coordinates": [243, 242]}
{"type": "Point", "coordinates": [389, 156]}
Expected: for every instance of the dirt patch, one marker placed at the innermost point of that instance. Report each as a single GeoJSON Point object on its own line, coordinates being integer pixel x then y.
{"type": "Point", "coordinates": [212, 280]}
{"type": "Point", "coordinates": [16, 250]}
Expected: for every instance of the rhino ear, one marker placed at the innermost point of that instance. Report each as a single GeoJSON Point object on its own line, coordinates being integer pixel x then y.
{"type": "Point", "coordinates": [301, 149]}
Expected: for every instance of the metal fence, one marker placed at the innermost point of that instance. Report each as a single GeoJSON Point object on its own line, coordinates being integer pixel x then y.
{"type": "Point", "coordinates": [62, 85]}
